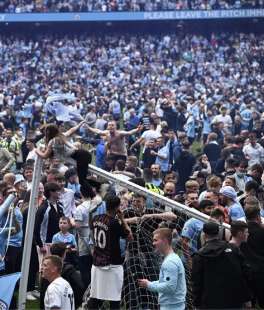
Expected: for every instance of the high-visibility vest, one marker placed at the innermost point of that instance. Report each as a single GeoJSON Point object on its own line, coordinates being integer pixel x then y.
{"type": "Point", "coordinates": [153, 188]}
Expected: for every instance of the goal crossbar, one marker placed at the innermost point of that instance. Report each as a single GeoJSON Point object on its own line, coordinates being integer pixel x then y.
{"type": "Point", "coordinates": [174, 205]}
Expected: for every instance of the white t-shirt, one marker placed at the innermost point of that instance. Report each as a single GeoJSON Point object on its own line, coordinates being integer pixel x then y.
{"type": "Point", "coordinates": [227, 120]}
{"type": "Point", "coordinates": [150, 134]}
{"type": "Point", "coordinates": [68, 202]}
{"type": "Point", "coordinates": [32, 155]}
{"type": "Point", "coordinates": [59, 295]}
{"type": "Point", "coordinates": [255, 154]}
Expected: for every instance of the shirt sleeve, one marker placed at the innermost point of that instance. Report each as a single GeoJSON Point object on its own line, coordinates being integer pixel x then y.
{"type": "Point", "coordinates": [55, 239]}
{"type": "Point", "coordinates": [188, 230]}
{"type": "Point", "coordinates": [164, 152]}
{"type": "Point", "coordinates": [170, 274]}
{"type": "Point", "coordinates": [236, 213]}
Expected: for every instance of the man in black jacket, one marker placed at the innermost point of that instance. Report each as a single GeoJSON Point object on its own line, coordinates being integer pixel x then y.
{"type": "Point", "coordinates": [218, 274]}
{"type": "Point", "coordinates": [184, 165]}
{"type": "Point", "coordinates": [253, 251]}
{"type": "Point", "coordinates": [48, 216]}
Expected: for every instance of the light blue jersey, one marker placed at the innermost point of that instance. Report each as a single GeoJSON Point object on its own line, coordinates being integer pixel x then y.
{"type": "Point", "coordinates": [3, 239]}
{"type": "Point", "coordinates": [67, 238]}
{"type": "Point", "coordinates": [16, 239]}
{"type": "Point", "coordinates": [236, 212]}
{"type": "Point", "coordinates": [164, 163]}
{"type": "Point", "coordinates": [191, 231]}
{"type": "Point", "coordinates": [171, 285]}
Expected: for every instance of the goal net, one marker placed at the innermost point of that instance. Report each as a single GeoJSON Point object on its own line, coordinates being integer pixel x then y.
{"type": "Point", "coordinates": [142, 262]}
{"type": "Point", "coordinates": [140, 259]}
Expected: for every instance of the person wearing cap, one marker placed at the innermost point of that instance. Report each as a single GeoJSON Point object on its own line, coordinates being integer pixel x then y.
{"type": "Point", "coordinates": [20, 185]}
{"type": "Point", "coordinates": [229, 200]}
{"type": "Point", "coordinates": [218, 276]}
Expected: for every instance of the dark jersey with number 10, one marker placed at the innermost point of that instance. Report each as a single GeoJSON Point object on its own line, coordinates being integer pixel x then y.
{"type": "Point", "coordinates": [107, 232]}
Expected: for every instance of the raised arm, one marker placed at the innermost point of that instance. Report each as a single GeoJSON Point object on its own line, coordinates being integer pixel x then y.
{"type": "Point", "coordinates": [161, 156]}
{"type": "Point", "coordinates": [138, 141]}
{"type": "Point", "coordinates": [72, 130]}
{"type": "Point", "coordinates": [46, 154]}
{"type": "Point", "coordinates": [165, 216]}
{"type": "Point", "coordinates": [131, 132]}
{"type": "Point", "coordinates": [96, 131]}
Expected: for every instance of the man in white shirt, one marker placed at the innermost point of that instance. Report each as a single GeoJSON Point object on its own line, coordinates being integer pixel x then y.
{"type": "Point", "coordinates": [66, 197]}
{"type": "Point", "coordinates": [253, 151]}
{"type": "Point", "coordinates": [147, 135]}
{"type": "Point", "coordinates": [225, 119]}
{"type": "Point", "coordinates": [28, 175]}
{"type": "Point", "coordinates": [31, 147]}
{"type": "Point", "coordinates": [59, 294]}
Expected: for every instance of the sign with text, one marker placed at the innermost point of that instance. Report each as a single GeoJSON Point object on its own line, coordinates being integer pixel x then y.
{"type": "Point", "coordinates": [130, 16]}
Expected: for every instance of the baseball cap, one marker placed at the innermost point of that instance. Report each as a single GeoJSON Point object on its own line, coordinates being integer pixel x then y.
{"type": "Point", "coordinates": [228, 191]}
{"type": "Point", "coordinates": [19, 178]}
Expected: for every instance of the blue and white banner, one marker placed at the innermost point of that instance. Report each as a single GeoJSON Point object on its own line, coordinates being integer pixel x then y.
{"type": "Point", "coordinates": [130, 16]}
{"type": "Point", "coordinates": [7, 286]}
{"type": "Point", "coordinates": [60, 111]}
{"type": "Point", "coordinates": [204, 14]}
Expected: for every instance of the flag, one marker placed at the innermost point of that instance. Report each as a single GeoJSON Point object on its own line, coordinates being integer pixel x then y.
{"type": "Point", "coordinates": [7, 285]}
{"type": "Point", "coordinates": [61, 111]}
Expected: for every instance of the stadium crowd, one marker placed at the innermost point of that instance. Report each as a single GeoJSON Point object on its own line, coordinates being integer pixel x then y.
{"type": "Point", "coordinates": [179, 115]}
{"type": "Point", "coordinates": [45, 6]}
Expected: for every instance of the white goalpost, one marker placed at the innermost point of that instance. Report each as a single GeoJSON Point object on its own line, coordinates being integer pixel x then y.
{"type": "Point", "coordinates": [29, 233]}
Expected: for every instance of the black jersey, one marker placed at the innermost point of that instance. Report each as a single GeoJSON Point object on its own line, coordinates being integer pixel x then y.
{"type": "Point", "coordinates": [107, 232]}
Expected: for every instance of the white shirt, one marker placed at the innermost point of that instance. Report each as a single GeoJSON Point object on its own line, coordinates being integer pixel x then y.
{"type": "Point", "coordinates": [254, 154]}
{"type": "Point", "coordinates": [81, 215]}
{"type": "Point", "coordinates": [29, 185]}
{"type": "Point", "coordinates": [32, 155]}
{"type": "Point", "coordinates": [227, 120]}
{"type": "Point", "coordinates": [150, 134]}
{"type": "Point", "coordinates": [59, 295]}
{"type": "Point", "coordinates": [68, 202]}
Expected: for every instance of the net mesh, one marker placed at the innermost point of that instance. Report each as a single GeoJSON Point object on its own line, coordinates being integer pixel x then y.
{"type": "Point", "coordinates": [142, 262]}
{"type": "Point", "coordinates": [140, 259]}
